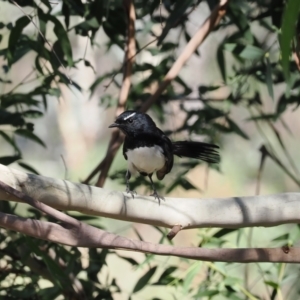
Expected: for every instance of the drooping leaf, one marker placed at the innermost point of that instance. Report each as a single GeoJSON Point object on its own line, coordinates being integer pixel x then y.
{"type": "Point", "coordinates": [62, 37]}
{"type": "Point", "coordinates": [10, 141]}
{"type": "Point", "coordinates": [28, 167]}
{"type": "Point", "coordinates": [15, 33]}
{"type": "Point", "coordinates": [30, 135]}
{"type": "Point", "coordinates": [166, 277]}
{"type": "Point", "coordinates": [143, 281]}
{"type": "Point", "coordinates": [205, 88]}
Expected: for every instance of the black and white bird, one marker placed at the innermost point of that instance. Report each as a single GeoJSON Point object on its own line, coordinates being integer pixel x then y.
{"type": "Point", "coordinates": [148, 150]}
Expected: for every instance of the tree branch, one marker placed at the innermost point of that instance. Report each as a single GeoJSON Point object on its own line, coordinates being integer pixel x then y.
{"type": "Point", "coordinates": [236, 212]}
{"type": "Point", "coordinates": [116, 138]}
{"type": "Point", "coordinates": [75, 233]}
{"type": "Point", "coordinates": [88, 236]}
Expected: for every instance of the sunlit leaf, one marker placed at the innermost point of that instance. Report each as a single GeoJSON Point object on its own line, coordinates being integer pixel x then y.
{"type": "Point", "coordinates": [244, 51]}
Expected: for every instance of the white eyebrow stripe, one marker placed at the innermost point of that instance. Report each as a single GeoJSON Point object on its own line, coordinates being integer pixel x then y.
{"type": "Point", "coordinates": [129, 116]}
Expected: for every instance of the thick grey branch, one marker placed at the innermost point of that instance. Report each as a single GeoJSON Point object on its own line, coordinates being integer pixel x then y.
{"type": "Point", "coordinates": [74, 233]}
{"type": "Point", "coordinates": [233, 212]}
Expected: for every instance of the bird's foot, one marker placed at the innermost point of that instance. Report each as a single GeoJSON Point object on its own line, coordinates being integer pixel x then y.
{"type": "Point", "coordinates": [156, 196]}
{"type": "Point", "coordinates": [132, 193]}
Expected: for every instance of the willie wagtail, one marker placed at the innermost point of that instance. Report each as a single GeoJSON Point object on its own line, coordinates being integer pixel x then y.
{"type": "Point", "coordinates": [149, 150]}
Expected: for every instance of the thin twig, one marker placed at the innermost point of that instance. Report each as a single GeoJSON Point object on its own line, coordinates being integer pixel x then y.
{"type": "Point", "coordinates": [125, 62]}
{"type": "Point", "coordinates": [65, 165]}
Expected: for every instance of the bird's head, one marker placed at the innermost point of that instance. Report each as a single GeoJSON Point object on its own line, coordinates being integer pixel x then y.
{"type": "Point", "coordinates": [132, 122]}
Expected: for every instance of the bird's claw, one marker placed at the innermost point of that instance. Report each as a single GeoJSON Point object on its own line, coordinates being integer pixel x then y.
{"type": "Point", "coordinates": [156, 196]}
{"type": "Point", "coordinates": [132, 193]}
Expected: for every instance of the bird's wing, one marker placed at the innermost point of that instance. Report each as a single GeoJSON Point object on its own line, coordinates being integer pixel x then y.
{"type": "Point", "coordinates": [167, 147]}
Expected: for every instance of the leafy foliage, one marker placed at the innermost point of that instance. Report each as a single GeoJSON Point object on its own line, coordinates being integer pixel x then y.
{"type": "Point", "coordinates": [255, 57]}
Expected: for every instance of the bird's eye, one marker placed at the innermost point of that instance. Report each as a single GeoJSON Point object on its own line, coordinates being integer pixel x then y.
{"type": "Point", "coordinates": [130, 120]}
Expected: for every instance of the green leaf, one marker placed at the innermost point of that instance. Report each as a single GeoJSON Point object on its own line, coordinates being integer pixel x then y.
{"type": "Point", "coordinates": [62, 37]}
{"type": "Point", "coordinates": [223, 232]}
{"type": "Point", "coordinates": [272, 284]}
{"type": "Point", "coordinates": [28, 134]}
{"type": "Point", "coordinates": [129, 260]}
{"type": "Point", "coordinates": [290, 17]}
{"type": "Point", "coordinates": [14, 99]}
{"type": "Point", "coordinates": [233, 127]}
{"type": "Point", "coordinates": [7, 160]}
{"type": "Point", "coordinates": [192, 272]}
{"type": "Point", "coordinates": [10, 140]}
{"type": "Point", "coordinates": [15, 119]}
{"type": "Point", "coordinates": [178, 11]}
{"type": "Point", "coordinates": [283, 237]}
{"type": "Point", "coordinates": [143, 281]}
{"type": "Point", "coordinates": [244, 51]}
{"type": "Point", "coordinates": [207, 88]}
{"type": "Point", "coordinates": [221, 62]}
{"type": "Point", "coordinates": [58, 275]}
{"type": "Point", "coordinates": [14, 37]}
{"type": "Point", "coordinates": [207, 293]}
{"type": "Point", "coordinates": [84, 27]}
{"type": "Point", "coordinates": [269, 80]}
{"type": "Point", "coordinates": [32, 113]}
{"type": "Point", "coordinates": [166, 277]}
{"type": "Point", "coordinates": [28, 168]}
{"type": "Point", "coordinates": [264, 117]}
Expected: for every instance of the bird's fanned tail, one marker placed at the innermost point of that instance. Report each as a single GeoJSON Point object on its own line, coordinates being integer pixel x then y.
{"type": "Point", "coordinates": [204, 151]}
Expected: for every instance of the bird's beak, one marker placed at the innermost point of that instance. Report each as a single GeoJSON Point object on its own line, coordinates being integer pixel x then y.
{"type": "Point", "coordinates": [113, 125]}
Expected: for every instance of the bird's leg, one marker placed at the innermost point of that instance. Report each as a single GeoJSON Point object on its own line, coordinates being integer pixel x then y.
{"type": "Point", "coordinates": [127, 176]}
{"type": "Point", "coordinates": [155, 194]}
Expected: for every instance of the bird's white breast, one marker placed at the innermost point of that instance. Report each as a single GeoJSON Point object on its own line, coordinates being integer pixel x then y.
{"type": "Point", "coordinates": [145, 159]}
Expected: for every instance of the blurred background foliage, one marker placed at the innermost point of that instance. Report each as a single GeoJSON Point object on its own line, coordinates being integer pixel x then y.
{"type": "Point", "coordinates": [239, 90]}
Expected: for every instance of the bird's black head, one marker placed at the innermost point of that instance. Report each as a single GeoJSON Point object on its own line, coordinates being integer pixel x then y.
{"type": "Point", "coordinates": [132, 123]}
